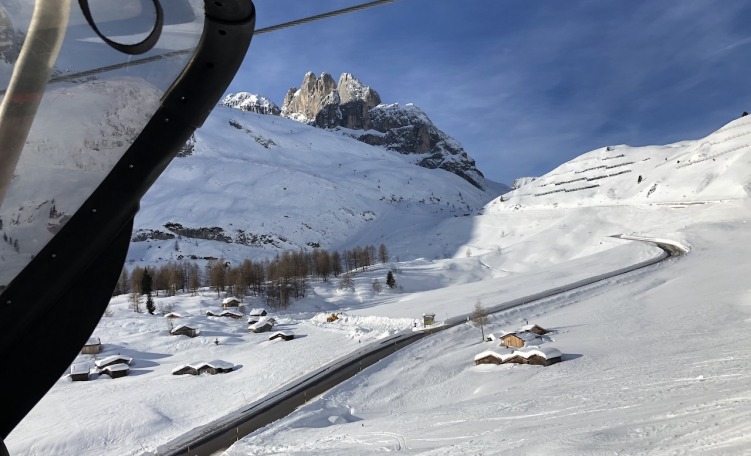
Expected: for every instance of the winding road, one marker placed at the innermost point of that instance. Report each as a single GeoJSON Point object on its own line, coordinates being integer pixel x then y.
{"type": "Point", "coordinates": [219, 435]}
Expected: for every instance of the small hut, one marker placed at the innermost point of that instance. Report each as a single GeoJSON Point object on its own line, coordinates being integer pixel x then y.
{"type": "Point", "coordinates": [492, 357]}
{"type": "Point", "coordinates": [116, 370]}
{"type": "Point", "coordinates": [261, 326]}
{"type": "Point", "coordinates": [185, 369]}
{"type": "Point", "coordinates": [428, 319]}
{"type": "Point", "coordinates": [230, 302]}
{"type": "Point", "coordinates": [184, 330]}
{"type": "Point", "coordinates": [231, 314]}
{"type": "Point", "coordinates": [258, 312]}
{"type": "Point", "coordinates": [173, 315]}
{"type": "Point", "coordinates": [92, 347]}
{"type": "Point", "coordinates": [539, 330]}
{"type": "Point", "coordinates": [520, 339]}
{"type": "Point", "coordinates": [211, 314]}
{"type": "Point", "coordinates": [80, 371]}
{"type": "Point", "coordinates": [490, 338]}
{"type": "Point", "coordinates": [252, 320]}
{"type": "Point", "coordinates": [284, 335]}
{"type": "Point", "coordinates": [216, 367]}
{"type": "Point", "coordinates": [212, 367]}
{"type": "Point", "coordinates": [542, 356]}
{"type": "Point", "coordinates": [112, 360]}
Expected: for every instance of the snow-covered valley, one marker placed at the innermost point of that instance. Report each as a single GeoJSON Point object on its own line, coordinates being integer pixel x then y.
{"type": "Point", "coordinates": [653, 362]}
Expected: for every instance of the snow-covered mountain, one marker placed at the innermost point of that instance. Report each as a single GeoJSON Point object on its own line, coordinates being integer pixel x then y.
{"type": "Point", "coordinates": [350, 106]}
{"type": "Point", "coordinates": [250, 185]}
{"type": "Point", "coordinates": [246, 101]}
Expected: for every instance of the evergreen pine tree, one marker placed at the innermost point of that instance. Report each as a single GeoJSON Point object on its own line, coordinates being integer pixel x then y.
{"type": "Point", "coordinates": [390, 280]}
{"type": "Point", "coordinates": [146, 288]}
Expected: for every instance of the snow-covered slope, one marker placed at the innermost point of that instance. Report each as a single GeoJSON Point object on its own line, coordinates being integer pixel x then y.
{"type": "Point", "coordinates": [712, 168]}
{"type": "Point", "coordinates": [259, 184]}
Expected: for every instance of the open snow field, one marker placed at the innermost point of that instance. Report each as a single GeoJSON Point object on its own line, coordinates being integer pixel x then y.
{"type": "Point", "coordinates": [653, 363]}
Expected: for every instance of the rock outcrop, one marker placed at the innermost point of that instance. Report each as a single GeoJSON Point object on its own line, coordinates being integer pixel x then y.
{"type": "Point", "coordinates": [351, 105]}
{"type": "Point", "coordinates": [245, 101]}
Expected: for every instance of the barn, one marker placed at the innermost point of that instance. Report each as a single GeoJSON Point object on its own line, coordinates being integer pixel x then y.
{"type": "Point", "coordinates": [116, 370]}
{"type": "Point", "coordinates": [520, 339]}
{"type": "Point", "coordinates": [284, 335]}
{"type": "Point", "coordinates": [92, 347]}
{"type": "Point", "coordinates": [230, 302]}
{"type": "Point", "coordinates": [184, 330]}
{"type": "Point", "coordinates": [80, 371]}
{"type": "Point", "coordinates": [185, 369]}
{"type": "Point", "coordinates": [112, 360]}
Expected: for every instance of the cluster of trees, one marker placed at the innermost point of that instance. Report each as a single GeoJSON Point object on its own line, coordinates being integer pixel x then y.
{"type": "Point", "coordinates": [279, 280]}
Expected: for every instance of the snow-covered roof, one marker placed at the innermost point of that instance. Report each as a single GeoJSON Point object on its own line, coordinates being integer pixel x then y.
{"type": "Point", "coordinates": [80, 368]}
{"type": "Point", "coordinates": [261, 323]}
{"type": "Point", "coordinates": [220, 364]}
{"type": "Point", "coordinates": [545, 352]}
{"type": "Point", "coordinates": [490, 337]}
{"type": "Point", "coordinates": [229, 300]}
{"type": "Point", "coordinates": [257, 312]}
{"type": "Point", "coordinates": [117, 367]}
{"type": "Point", "coordinates": [173, 315]}
{"type": "Point", "coordinates": [229, 312]}
{"type": "Point", "coordinates": [93, 341]}
{"type": "Point", "coordinates": [216, 364]}
{"type": "Point", "coordinates": [503, 356]}
{"type": "Point", "coordinates": [113, 359]}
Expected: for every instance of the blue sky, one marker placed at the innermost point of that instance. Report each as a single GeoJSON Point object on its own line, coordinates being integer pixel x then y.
{"type": "Point", "coordinates": [525, 85]}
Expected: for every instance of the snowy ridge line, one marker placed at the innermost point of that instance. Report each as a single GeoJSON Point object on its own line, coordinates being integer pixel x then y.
{"type": "Point", "coordinates": [704, 143]}
{"type": "Point", "coordinates": [738, 125]}
{"type": "Point", "coordinates": [221, 433]}
{"type": "Point", "coordinates": [708, 157]}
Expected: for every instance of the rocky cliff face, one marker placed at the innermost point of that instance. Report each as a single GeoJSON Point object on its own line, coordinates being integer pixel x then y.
{"type": "Point", "coordinates": [349, 104]}
{"type": "Point", "coordinates": [245, 101]}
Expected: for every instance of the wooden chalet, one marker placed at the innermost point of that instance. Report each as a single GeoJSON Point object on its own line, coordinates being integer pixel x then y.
{"type": "Point", "coordinates": [284, 335]}
{"type": "Point", "coordinates": [92, 347]}
{"type": "Point", "coordinates": [539, 330]}
{"type": "Point", "coordinates": [184, 330]}
{"type": "Point", "coordinates": [520, 339]}
{"type": "Point", "coordinates": [258, 312]}
{"type": "Point", "coordinates": [116, 370]}
{"type": "Point", "coordinates": [230, 302]}
{"type": "Point", "coordinates": [79, 372]}
{"type": "Point", "coordinates": [112, 360]}
{"type": "Point", "coordinates": [185, 369]}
